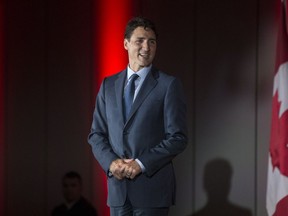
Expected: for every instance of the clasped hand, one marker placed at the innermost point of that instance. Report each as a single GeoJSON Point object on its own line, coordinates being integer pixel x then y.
{"type": "Point", "coordinates": [125, 168]}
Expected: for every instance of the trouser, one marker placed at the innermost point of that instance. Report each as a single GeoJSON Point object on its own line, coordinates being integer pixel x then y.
{"type": "Point", "coordinates": [129, 210]}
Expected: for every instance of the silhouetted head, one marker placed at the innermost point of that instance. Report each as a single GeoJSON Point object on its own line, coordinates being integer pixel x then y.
{"type": "Point", "coordinates": [72, 186]}
{"type": "Point", "coordinates": [217, 179]}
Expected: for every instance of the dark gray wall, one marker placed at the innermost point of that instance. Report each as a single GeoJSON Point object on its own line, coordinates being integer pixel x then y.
{"type": "Point", "coordinates": [49, 101]}
{"type": "Point", "coordinates": [223, 51]}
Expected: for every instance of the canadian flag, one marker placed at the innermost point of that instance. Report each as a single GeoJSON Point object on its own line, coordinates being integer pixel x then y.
{"type": "Point", "coordinates": [277, 185]}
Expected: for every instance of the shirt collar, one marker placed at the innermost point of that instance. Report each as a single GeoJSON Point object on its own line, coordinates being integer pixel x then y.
{"type": "Point", "coordinates": [141, 73]}
{"type": "Point", "coordinates": [69, 205]}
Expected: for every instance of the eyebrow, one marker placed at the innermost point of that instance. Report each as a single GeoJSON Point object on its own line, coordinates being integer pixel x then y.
{"type": "Point", "coordinates": [141, 38]}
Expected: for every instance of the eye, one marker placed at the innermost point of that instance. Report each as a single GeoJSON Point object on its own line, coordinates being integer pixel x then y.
{"type": "Point", "coordinates": [152, 42]}
{"type": "Point", "coordinates": [139, 41]}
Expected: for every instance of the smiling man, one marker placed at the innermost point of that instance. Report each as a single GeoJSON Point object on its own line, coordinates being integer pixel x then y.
{"type": "Point", "coordinates": [141, 47]}
{"type": "Point", "coordinates": [139, 126]}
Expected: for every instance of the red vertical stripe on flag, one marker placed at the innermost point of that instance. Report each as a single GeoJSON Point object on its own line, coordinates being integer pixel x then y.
{"type": "Point", "coordinates": [277, 187]}
{"type": "Point", "coordinates": [282, 37]}
{"type": "Point", "coordinates": [110, 18]}
{"type": "Point", "coordinates": [2, 104]}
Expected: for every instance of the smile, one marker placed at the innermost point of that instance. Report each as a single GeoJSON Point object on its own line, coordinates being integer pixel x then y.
{"type": "Point", "coordinates": [144, 55]}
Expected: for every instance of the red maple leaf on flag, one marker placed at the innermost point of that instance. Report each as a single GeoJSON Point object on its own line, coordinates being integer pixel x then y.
{"type": "Point", "coordinates": [282, 207]}
{"type": "Point", "coordinates": [279, 137]}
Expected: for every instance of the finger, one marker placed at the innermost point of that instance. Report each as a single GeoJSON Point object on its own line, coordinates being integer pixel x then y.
{"type": "Point", "coordinates": [118, 177]}
{"type": "Point", "coordinates": [127, 174]}
{"type": "Point", "coordinates": [128, 171]}
{"type": "Point", "coordinates": [132, 176]}
{"type": "Point", "coordinates": [136, 169]}
{"type": "Point", "coordinates": [128, 160]}
{"type": "Point", "coordinates": [121, 169]}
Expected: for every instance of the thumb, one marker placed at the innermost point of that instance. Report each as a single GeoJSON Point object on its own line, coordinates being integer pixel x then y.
{"type": "Point", "coordinates": [128, 160]}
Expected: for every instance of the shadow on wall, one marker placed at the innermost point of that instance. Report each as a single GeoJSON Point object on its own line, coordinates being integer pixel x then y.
{"type": "Point", "coordinates": [217, 183]}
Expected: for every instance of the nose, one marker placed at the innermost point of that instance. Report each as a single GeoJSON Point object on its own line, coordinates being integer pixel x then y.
{"type": "Point", "coordinates": [146, 45]}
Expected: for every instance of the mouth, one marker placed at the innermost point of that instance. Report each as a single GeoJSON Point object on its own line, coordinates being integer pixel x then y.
{"type": "Point", "coordinates": [144, 55]}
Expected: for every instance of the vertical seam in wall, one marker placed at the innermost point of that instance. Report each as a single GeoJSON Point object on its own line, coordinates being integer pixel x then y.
{"type": "Point", "coordinates": [46, 103]}
{"type": "Point", "coordinates": [6, 111]}
{"type": "Point", "coordinates": [256, 105]}
{"type": "Point", "coordinates": [194, 105]}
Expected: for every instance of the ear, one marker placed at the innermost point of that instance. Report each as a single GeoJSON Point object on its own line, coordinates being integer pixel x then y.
{"type": "Point", "coordinates": [126, 44]}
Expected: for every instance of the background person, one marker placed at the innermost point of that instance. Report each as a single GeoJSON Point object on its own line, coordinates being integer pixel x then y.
{"type": "Point", "coordinates": [75, 204]}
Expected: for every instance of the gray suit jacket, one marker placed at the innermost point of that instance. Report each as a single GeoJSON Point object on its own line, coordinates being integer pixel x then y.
{"type": "Point", "coordinates": [155, 132]}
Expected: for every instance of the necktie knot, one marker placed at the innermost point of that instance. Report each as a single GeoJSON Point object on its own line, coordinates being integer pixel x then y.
{"type": "Point", "coordinates": [129, 95]}
{"type": "Point", "coordinates": [133, 78]}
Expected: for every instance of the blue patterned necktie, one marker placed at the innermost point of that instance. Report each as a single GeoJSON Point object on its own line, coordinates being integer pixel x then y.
{"type": "Point", "coordinates": [129, 95]}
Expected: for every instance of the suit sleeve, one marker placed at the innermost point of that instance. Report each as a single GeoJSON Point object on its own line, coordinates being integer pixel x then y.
{"type": "Point", "coordinates": [175, 127]}
{"type": "Point", "coordinates": [98, 137]}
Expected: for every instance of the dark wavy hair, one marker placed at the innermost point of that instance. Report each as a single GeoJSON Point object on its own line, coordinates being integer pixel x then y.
{"type": "Point", "coordinates": [139, 22]}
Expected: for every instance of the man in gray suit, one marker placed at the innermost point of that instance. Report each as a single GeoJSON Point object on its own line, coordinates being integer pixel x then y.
{"type": "Point", "coordinates": [139, 126]}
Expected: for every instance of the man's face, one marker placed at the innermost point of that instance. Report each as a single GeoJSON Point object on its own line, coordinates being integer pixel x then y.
{"type": "Point", "coordinates": [71, 189]}
{"type": "Point", "coordinates": [141, 48]}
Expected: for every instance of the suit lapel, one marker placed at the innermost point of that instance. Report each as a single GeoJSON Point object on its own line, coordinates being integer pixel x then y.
{"type": "Point", "coordinates": [149, 83]}
{"type": "Point", "coordinates": [119, 87]}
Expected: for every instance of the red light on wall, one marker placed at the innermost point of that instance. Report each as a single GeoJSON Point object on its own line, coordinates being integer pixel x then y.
{"type": "Point", "coordinates": [110, 18]}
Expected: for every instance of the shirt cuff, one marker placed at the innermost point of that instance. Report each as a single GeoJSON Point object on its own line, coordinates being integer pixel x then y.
{"type": "Point", "coordinates": [141, 165]}
{"type": "Point", "coordinates": [109, 174]}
